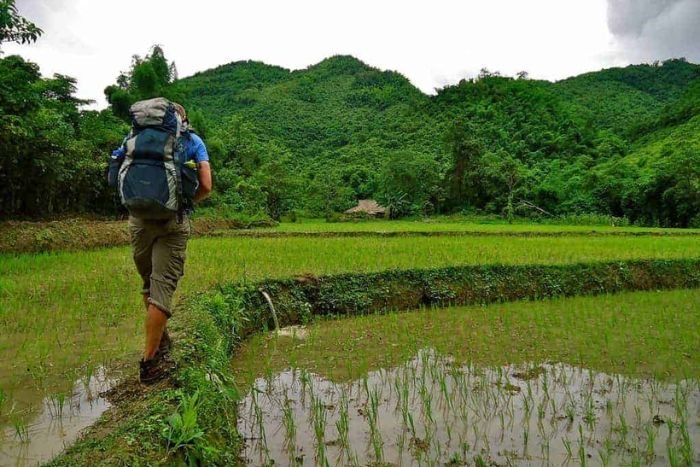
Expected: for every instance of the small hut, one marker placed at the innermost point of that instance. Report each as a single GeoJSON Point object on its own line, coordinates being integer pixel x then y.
{"type": "Point", "coordinates": [367, 207]}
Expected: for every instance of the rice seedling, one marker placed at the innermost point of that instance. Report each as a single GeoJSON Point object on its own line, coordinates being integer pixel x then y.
{"type": "Point", "coordinates": [686, 449]}
{"type": "Point", "coordinates": [650, 443]}
{"type": "Point", "coordinates": [590, 412]}
{"type": "Point", "coordinates": [674, 459]}
{"type": "Point", "coordinates": [582, 455]}
{"type": "Point", "coordinates": [622, 429]}
{"type": "Point", "coordinates": [526, 439]}
{"type": "Point", "coordinates": [567, 446]}
{"type": "Point", "coordinates": [411, 425]}
{"type": "Point", "coordinates": [343, 422]}
{"type": "Point", "coordinates": [260, 423]}
{"type": "Point", "coordinates": [545, 448]}
{"type": "Point", "coordinates": [375, 433]}
{"type": "Point", "coordinates": [290, 426]}
{"type": "Point", "coordinates": [56, 403]}
{"type": "Point", "coordinates": [319, 428]}
{"type": "Point", "coordinates": [20, 428]}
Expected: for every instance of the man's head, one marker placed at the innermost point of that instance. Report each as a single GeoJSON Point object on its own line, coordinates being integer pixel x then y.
{"type": "Point", "coordinates": [181, 111]}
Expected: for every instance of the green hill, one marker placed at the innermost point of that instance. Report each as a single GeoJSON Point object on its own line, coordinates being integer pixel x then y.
{"type": "Point", "coordinates": [616, 142]}
{"type": "Point", "coordinates": [223, 89]}
{"type": "Point", "coordinates": [343, 124]}
{"type": "Point", "coordinates": [332, 104]}
{"type": "Point", "coordinates": [621, 99]}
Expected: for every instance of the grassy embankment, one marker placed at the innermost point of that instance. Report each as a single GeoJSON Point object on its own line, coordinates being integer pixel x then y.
{"type": "Point", "coordinates": [82, 234]}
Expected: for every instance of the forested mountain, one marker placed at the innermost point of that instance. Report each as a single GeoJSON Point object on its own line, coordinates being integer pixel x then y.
{"type": "Point", "coordinates": [619, 142]}
{"type": "Point", "coordinates": [339, 101]}
{"type": "Point", "coordinates": [621, 99]}
{"type": "Point", "coordinates": [343, 130]}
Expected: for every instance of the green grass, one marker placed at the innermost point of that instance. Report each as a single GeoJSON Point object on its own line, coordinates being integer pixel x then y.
{"type": "Point", "coordinates": [62, 312]}
{"type": "Point", "coordinates": [439, 224]}
{"type": "Point", "coordinates": [647, 334]}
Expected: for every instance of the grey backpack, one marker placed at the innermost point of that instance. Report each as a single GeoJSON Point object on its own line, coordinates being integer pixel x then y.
{"type": "Point", "coordinates": [150, 177]}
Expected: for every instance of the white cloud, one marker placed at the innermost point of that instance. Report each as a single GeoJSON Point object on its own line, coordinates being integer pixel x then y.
{"type": "Point", "coordinates": [433, 43]}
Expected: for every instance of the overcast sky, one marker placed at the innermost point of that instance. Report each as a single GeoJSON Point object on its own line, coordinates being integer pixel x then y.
{"type": "Point", "coordinates": [432, 42]}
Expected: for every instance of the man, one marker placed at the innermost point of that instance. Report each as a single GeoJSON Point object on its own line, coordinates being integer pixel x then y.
{"type": "Point", "coordinates": [159, 247]}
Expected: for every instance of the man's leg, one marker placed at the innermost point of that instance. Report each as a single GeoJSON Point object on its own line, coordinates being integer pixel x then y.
{"type": "Point", "coordinates": [165, 341]}
{"type": "Point", "coordinates": [155, 325]}
{"type": "Point", "coordinates": [168, 259]}
{"type": "Point", "coordinates": [142, 237]}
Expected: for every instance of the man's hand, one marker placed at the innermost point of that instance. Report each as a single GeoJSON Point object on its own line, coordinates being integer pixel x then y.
{"type": "Point", "coordinates": [205, 184]}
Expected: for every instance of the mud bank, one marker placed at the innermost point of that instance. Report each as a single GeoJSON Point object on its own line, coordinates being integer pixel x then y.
{"type": "Point", "coordinates": [83, 234]}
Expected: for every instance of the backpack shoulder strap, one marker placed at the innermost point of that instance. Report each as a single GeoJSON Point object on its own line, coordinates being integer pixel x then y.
{"type": "Point", "coordinates": [179, 159]}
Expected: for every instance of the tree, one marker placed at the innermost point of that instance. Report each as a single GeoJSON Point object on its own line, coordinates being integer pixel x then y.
{"type": "Point", "coordinates": [172, 71]}
{"type": "Point", "coordinates": [327, 193]}
{"type": "Point", "coordinates": [148, 77]}
{"type": "Point", "coordinates": [52, 153]}
{"type": "Point", "coordinates": [278, 183]}
{"type": "Point", "coordinates": [505, 174]}
{"type": "Point", "coordinates": [464, 177]}
{"type": "Point", "coordinates": [412, 182]}
{"type": "Point", "coordinates": [14, 27]}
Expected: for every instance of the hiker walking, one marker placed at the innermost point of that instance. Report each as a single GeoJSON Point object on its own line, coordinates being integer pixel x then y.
{"type": "Point", "coordinates": [160, 172]}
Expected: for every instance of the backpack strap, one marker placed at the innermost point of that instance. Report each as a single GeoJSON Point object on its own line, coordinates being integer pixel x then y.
{"type": "Point", "coordinates": [178, 158]}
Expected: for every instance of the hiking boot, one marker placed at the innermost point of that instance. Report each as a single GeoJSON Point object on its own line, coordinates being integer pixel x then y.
{"type": "Point", "coordinates": [155, 369]}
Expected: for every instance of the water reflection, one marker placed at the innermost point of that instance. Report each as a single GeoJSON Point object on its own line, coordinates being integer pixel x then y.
{"type": "Point", "coordinates": [61, 420]}
{"type": "Point", "coordinates": [431, 411]}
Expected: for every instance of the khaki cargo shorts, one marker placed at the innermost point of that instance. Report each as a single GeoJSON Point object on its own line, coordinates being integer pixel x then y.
{"type": "Point", "coordinates": [159, 253]}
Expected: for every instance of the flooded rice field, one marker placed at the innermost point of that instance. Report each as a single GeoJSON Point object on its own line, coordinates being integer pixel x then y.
{"type": "Point", "coordinates": [432, 410]}
{"type": "Point", "coordinates": [57, 423]}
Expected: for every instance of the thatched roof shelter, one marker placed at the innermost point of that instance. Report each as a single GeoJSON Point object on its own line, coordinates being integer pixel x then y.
{"type": "Point", "coordinates": [368, 207]}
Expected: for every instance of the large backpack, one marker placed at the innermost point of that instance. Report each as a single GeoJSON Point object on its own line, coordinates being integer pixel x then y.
{"type": "Point", "coordinates": [150, 177]}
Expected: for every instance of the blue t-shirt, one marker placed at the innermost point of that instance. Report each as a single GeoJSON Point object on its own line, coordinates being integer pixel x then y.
{"type": "Point", "coordinates": [194, 148]}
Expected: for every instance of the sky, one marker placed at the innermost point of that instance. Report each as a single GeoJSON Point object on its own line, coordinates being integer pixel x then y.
{"type": "Point", "coordinates": [433, 42]}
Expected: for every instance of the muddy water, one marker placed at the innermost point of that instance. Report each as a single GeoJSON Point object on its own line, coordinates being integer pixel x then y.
{"type": "Point", "coordinates": [58, 423]}
{"type": "Point", "coordinates": [431, 411]}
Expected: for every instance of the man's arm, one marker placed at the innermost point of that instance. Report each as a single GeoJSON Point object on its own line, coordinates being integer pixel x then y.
{"type": "Point", "coordinates": [201, 157]}
{"type": "Point", "coordinates": [204, 175]}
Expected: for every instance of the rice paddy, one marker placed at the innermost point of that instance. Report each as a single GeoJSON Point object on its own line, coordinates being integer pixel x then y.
{"type": "Point", "coordinates": [61, 418]}
{"type": "Point", "coordinates": [68, 316]}
{"type": "Point", "coordinates": [430, 411]}
{"type": "Point", "coordinates": [561, 382]}
{"type": "Point", "coordinates": [457, 224]}
{"type": "Point", "coordinates": [86, 308]}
